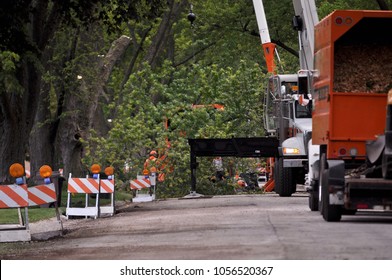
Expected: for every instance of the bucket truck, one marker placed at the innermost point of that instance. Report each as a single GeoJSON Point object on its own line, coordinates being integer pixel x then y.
{"type": "Point", "coordinates": [352, 114]}
{"type": "Point", "coordinates": [288, 101]}
{"type": "Point", "coordinates": [348, 74]}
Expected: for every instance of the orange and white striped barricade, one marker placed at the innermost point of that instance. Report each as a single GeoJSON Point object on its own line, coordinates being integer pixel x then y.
{"type": "Point", "coordinates": [44, 194]}
{"type": "Point", "coordinates": [15, 196]}
{"type": "Point", "coordinates": [85, 186]}
{"type": "Point", "coordinates": [107, 187]}
{"type": "Point", "coordinates": [142, 190]}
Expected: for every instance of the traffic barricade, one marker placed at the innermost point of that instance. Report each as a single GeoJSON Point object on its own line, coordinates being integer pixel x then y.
{"type": "Point", "coordinates": [86, 186]}
{"type": "Point", "coordinates": [107, 187]}
{"type": "Point", "coordinates": [143, 189]}
{"type": "Point", "coordinates": [15, 196]}
{"type": "Point", "coordinates": [45, 194]}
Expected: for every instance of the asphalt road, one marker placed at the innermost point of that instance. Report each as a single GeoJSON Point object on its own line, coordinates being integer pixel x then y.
{"type": "Point", "coordinates": [222, 228]}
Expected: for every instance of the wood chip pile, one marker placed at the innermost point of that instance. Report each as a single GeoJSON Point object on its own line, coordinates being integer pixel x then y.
{"type": "Point", "coordinates": [363, 68]}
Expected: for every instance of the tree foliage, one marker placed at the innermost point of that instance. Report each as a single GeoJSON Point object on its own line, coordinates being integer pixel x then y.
{"type": "Point", "coordinates": [67, 67]}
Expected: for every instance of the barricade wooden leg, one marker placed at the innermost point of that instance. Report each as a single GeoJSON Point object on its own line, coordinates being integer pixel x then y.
{"type": "Point", "coordinates": [97, 205]}
{"type": "Point", "coordinates": [26, 218]}
{"type": "Point", "coordinates": [68, 203]}
{"type": "Point", "coordinates": [86, 203]}
{"type": "Point", "coordinates": [20, 217]}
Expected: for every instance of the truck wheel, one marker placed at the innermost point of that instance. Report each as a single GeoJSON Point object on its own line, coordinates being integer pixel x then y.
{"type": "Point", "coordinates": [278, 184]}
{"type": "Point", "coordinates": [349, 211]}
{"type": "Point", "coordinates": [314, 196]}
{"type": "Point", "coordinates": [313, 201]}
{"type": "Point", "coordinates": [331, 213]}
{"type": "Point", "coordinates": [386, 166]}
{"type": "Point", "coordinates": [285, 180]}
{"type": "Point", "coordinates": [289, 187]}
{"type": "Point", "coordinates": [322, 166]}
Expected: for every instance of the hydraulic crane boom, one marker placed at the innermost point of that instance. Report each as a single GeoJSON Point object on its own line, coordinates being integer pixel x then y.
{"type": "Point", "coordinates": [304, 21]}
{"type": "Point", "coordinates": [288, 101]}
{"type": "Point", "coordinates": [268, 47]}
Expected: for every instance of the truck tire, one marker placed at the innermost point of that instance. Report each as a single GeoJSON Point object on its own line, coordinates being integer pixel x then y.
{"type": "Point", "coordinates": [349, 212]}
{"type": "Point", "coordinates": [322, 167]}
{"type": "Point", "coordinates": [313, 201]}
{"type": "Point", "coordinates": [285, 182]}
{"type": "Point", "coordinates": [278, 184]}
{"type": "Point", "coordinates": [386, 166]}
{"type": "Point", "coordinates": [331, 213]}
{"type": "Point", "coordinates": [314, 197]}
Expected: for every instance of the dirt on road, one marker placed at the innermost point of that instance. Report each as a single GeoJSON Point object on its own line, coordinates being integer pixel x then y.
{"type": "Point", "coordinates": [165, 229]}
{"type": "Point", "coordinates": [223, 227]}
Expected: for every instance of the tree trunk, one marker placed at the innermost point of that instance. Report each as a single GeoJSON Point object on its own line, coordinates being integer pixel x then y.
{"type": "Point", "coordinates": [114, 54]}
{"type": "Point", "coordinates": [137, 48]}
{"type": "Point", "coordinates": [11, 133]}
{"type": "Point", "coordinates": [383, 5]}
{"type": "Point", "coordinates": [69, 139]}
{"type": "Point", "coordinates": [161, 39]}
{"type": "Point", "coordinates": [17, 123]}
{"type": "Point", "coordinates": [17, 118]}
{"type": "Point", "coordinates": [80, 106]}
{"type": "Point", "coordinates": [82, 111]}
{"type": "Point", "coordinates": [41, 137]}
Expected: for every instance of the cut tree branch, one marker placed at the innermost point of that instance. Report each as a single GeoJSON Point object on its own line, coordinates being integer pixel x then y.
{"type": "Point", "coordinates": [382, 4]}
{"type": "Point", "coordinates": [194, 54]}
{"type": "Point", "coordinates": [278, 43]}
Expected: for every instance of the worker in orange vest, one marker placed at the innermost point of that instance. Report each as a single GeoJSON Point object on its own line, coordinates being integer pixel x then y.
{"type": "Point", "coordinates": [151, 169]}
{"type": "Point", "coordinates": [151, 163]}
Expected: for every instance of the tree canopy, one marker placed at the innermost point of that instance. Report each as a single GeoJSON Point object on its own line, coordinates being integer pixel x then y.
{"type": "Point", "coordinates": [85, 82]}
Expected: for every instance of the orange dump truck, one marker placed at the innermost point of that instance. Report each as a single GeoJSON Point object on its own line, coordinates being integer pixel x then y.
{"type": "Point", "coordinates": [352, 113]}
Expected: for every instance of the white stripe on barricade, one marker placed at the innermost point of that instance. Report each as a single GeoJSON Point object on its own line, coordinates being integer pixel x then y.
{"type": "Point", "coordinates": [85, 186]}
{"type": "Point", "coordinates": [140, 184]}
{"type": "Point", "coordinates": [107, 187]}
{"type": "Point", "coordinates": [15, 196]}
{"type": "Point", "coordinates": [42, 194]}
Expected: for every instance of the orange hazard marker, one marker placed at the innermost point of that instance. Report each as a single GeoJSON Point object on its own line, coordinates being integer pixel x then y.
{"type": "Point", "coordinates": [16, 170]}
{"type": "Point", "coordinates": [45, 171]}
{"type": "Point", "coordinates": [109, 170]}
{"type": "Point", "coordinates": [95, 168]}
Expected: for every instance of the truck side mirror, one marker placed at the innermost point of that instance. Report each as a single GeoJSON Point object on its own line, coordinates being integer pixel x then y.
{"type": "Point", "coordinates": [297, 23]}
{"type": "Point", "coordinates": [303, 84]}
{"type": "Point", "coordinates": [283, 90]}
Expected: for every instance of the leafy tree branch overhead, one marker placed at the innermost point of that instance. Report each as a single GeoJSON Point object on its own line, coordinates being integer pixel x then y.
{"type": "Point", "coordinates": [67, 67]}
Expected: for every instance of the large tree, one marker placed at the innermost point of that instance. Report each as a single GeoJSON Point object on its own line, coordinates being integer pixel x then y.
{"type": "Point", "coordinates": [65, 67]}
{"type": "Point", "coordinates": [30, 124]}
